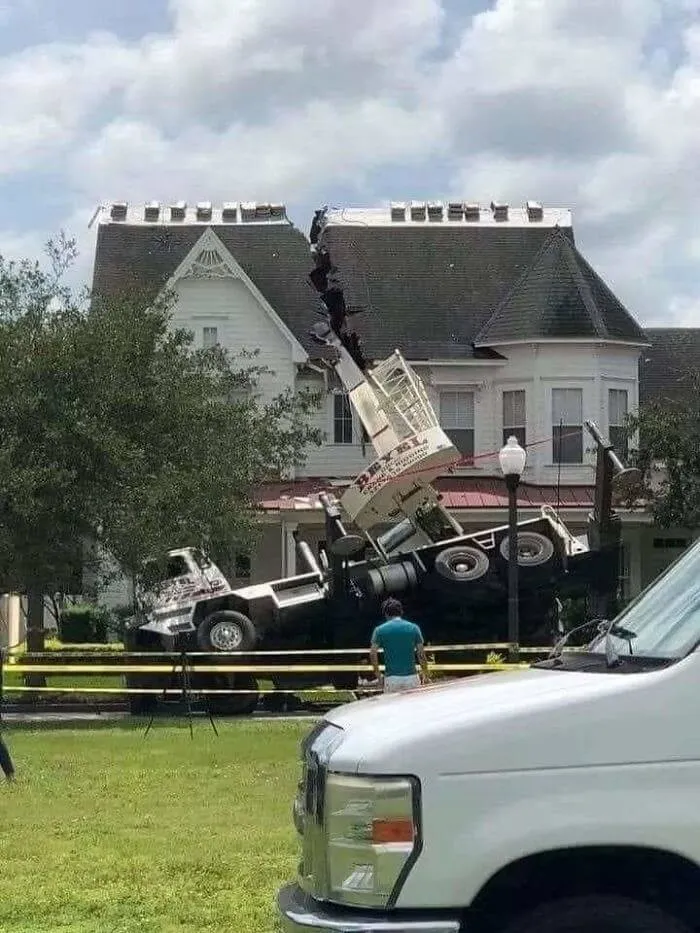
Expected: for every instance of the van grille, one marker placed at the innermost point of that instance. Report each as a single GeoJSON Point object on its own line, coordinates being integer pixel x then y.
{"type": "Point", "coordinates": [313, 867]}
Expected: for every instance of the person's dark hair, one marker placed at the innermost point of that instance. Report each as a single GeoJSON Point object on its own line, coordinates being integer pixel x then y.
{"type": "Point", "coordinates": [391, 607]}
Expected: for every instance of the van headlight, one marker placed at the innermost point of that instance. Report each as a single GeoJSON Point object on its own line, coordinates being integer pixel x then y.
{"type": "Point", "coordinates": [373, 836]}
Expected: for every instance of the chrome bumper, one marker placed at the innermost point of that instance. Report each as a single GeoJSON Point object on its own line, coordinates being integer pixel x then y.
{"type": "Point", "coordinates": [299, 913]}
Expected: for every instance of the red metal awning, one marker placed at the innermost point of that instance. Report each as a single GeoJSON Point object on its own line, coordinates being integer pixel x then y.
{"type": "Point", "coordinates": [458, 492]}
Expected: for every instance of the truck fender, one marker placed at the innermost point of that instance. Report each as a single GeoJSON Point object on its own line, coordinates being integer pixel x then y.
{"type": "Point", "coordinates": [623, 810]}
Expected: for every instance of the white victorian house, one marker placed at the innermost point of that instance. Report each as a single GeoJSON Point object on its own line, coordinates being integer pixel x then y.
{"type": "Point", "coordinates": [505, 321]}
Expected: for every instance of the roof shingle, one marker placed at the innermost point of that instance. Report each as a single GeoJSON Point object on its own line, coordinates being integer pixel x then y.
{"type": "Point", "coordinates": [560, 296]}
{"type": "Point", "coordinates": [666, 365]}
{"type": "Point", "coordinates": [428, 289]}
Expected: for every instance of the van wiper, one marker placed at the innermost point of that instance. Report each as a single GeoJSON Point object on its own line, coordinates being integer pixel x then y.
{"type": "Point", "coordinates": [623, 633]}
{"type": "Point", "coordinates": [555, 653]}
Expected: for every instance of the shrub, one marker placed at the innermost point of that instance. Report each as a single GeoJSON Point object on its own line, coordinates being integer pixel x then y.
{"type": "Point", "coordinates": [83, 623]}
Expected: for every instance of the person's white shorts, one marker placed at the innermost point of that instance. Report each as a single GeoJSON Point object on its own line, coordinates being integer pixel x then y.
{"type": "Point", "coordinates": [395, 684]}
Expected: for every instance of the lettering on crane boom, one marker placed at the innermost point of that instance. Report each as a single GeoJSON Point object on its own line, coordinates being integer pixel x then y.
{"type": "Point", "coordinates": [393, 463]}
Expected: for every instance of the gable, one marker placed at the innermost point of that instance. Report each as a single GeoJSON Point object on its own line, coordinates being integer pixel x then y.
{"type": "Point", "coordinates": [210, 260]}
{"type": "Point", "coordinates": [132, 254]}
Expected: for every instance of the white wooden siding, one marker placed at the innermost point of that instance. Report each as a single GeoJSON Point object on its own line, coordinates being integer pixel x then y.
{"type": "Point", "coordinates": [242, 324]}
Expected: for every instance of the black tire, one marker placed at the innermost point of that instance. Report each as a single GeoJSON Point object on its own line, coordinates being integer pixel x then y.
{"type": "Point", "coordinates": [604, 914]}
{"type": "Point", "coordinates": [226, 630]}
{"type": "Point", "coordinates": [227, 704]}
{"type": "Point", "coordinates": [142, 704]}
{"type": "Point", "coordinates": [238, 704]}
{"type": "Point", "coordinates": [534, 550]}
{"type": "Point", "coordinates": [462, 564]}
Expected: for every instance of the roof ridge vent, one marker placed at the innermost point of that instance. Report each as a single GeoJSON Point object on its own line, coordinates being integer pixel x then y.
{"type": "Point", "coordinates": [204, 210]}
{"type": "Point", "coordinates": [435, 210]}
{"type": "Point", "coordinates": [472, 211]}
{"type": "Point", "coordinates": [278, 210]}
{"type": "Point", "coordinates": [119, 210]}
{"type": "Point", "coordinates": [151, 211]}
{"type": "Point", "coordinates": [398, 210]}
{"type": "Point", "coordinates": [229, 211]}
{"type": "Point", "coordinates": [178, 210]}
{"type": "Point", "coordinates": [455, 210]}
{"type": "Point", "coordinates": [500, 210]}
{"type": "Point", "coordinates": [248, 210]}
{"type": "Point", "coordinates": [418, 210]}
{"type": "Point", "coordinates": [535, 211]}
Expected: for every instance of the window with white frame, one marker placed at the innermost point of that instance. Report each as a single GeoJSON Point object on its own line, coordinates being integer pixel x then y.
{"type": "Point", "coordinates": [514, 415]}
{"type": "Point", "coordinates": [457, 419]}
{"type": "Point", "coordinates": [617, 421]}
{"type": "Point", "coordinates": [342, 419]}
{"type": "Point", "coordinates": [210, 337]}
{"type": "Point", "coordinates": [567, 425]}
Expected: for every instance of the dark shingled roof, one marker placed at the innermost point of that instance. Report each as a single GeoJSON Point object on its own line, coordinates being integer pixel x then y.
{"type": "Point", "coordinates": [560, 296]}
{"type": "Point", "coordinates": [428, 290]}
{"type": "Point", "coordinates": [275, 256]}
{"type": "Point", "coordinates": [665, 366]}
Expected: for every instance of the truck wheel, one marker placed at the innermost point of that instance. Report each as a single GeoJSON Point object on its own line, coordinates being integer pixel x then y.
{"type": "Point", "coordinates": [227, 704]}
{"type": "Point", "coordinates": [142, 705]}
{"type": "Point", "coordinates": [534, 549]}
{"type": "Point", "coordinates": [226, 630]}
{"type": "Point", "coordinates": [462, 564]}
{"type": "Point", "coordinates": [601, 913]}
{"type": "Point", "coordinates": [237, 704]}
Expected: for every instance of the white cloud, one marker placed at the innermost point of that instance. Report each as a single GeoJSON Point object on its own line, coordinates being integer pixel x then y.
{"type": "Point", "coordinates": [589, 105]}
{"type": "Point", "coordinates": [560, 103]}
{"type": "Point", "coordinates": [49, 91]}
{"type": "Point", "coordinates": [263, 163]}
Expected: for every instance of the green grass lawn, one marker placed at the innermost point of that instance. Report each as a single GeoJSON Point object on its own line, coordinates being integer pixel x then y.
{"type": "Point", "coordinates": [106, 830]}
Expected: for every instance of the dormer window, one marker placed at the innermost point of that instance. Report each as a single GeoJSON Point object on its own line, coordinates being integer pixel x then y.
{"type": "Point", "coordinates": [210, 337]}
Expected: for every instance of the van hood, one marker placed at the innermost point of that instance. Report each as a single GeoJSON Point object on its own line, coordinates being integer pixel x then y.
{"type": "Point", "coordinates": [495, 721]}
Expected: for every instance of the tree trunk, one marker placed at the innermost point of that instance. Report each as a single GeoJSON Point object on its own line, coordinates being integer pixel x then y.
{"type": "Point", "coordinates": [35, 632]}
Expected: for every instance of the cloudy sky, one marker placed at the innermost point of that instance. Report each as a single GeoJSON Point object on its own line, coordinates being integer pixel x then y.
{"type": "Point", "coordinates": [587, 104]}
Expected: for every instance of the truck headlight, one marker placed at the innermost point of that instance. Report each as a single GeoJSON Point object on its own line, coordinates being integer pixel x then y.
{"type": "Point", "coordinates": [373, 837]}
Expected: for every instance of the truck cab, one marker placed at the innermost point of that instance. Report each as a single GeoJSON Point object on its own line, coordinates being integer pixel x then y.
{"type": "Point", "coordinates": [555, 799]}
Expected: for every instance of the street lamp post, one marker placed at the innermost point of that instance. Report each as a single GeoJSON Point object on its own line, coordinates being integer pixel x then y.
{"type": "Point", "coordinates": [512, 459]}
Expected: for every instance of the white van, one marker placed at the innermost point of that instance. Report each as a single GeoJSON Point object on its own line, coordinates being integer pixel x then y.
{"type": "Point", "coordinates": [558, 799]}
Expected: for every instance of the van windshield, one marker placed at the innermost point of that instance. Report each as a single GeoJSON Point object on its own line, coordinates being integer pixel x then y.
{"type": "Point", "coordinates": [664, 620]}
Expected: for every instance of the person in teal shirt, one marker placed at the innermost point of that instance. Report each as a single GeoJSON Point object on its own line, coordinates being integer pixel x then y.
{"type": "Point", "coordinates": [401, 641]}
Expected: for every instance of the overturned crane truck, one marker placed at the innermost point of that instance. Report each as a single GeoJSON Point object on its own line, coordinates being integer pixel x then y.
{"type": "Point", "coordinates": [454, 584]}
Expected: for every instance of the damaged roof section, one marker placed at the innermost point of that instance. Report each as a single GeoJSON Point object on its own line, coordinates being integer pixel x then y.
{"type": "Point", "coordinates": [429, 283]}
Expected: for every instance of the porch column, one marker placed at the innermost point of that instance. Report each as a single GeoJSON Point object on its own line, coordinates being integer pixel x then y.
{"type": "Point", "coordinates": [289, 553]}
{"type": "Point", "coordinates": [634, 539]}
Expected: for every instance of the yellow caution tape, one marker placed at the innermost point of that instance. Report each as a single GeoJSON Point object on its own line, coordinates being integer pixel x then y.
{"type": "Point", "coordinates": [178, 691]}
{"type": "Point", "coordinates": [171, 670]}
{"type": "Point", "coordinates": [494, 646]}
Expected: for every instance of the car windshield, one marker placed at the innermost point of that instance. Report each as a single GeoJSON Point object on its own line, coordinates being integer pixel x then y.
{"type": "Point", "coordinates": [156, 573]}
{"type": "Point", "coordinates": [664, 620]}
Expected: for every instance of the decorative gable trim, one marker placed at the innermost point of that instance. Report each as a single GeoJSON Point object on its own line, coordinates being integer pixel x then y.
{"type": "Point", "coordinates": [210, 259]}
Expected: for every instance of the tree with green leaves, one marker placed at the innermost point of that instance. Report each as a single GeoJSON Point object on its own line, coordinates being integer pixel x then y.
{"type": "Point", "coordinates": [116, 430]}
{"type": "Point", "coordinates": [669, 453]}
